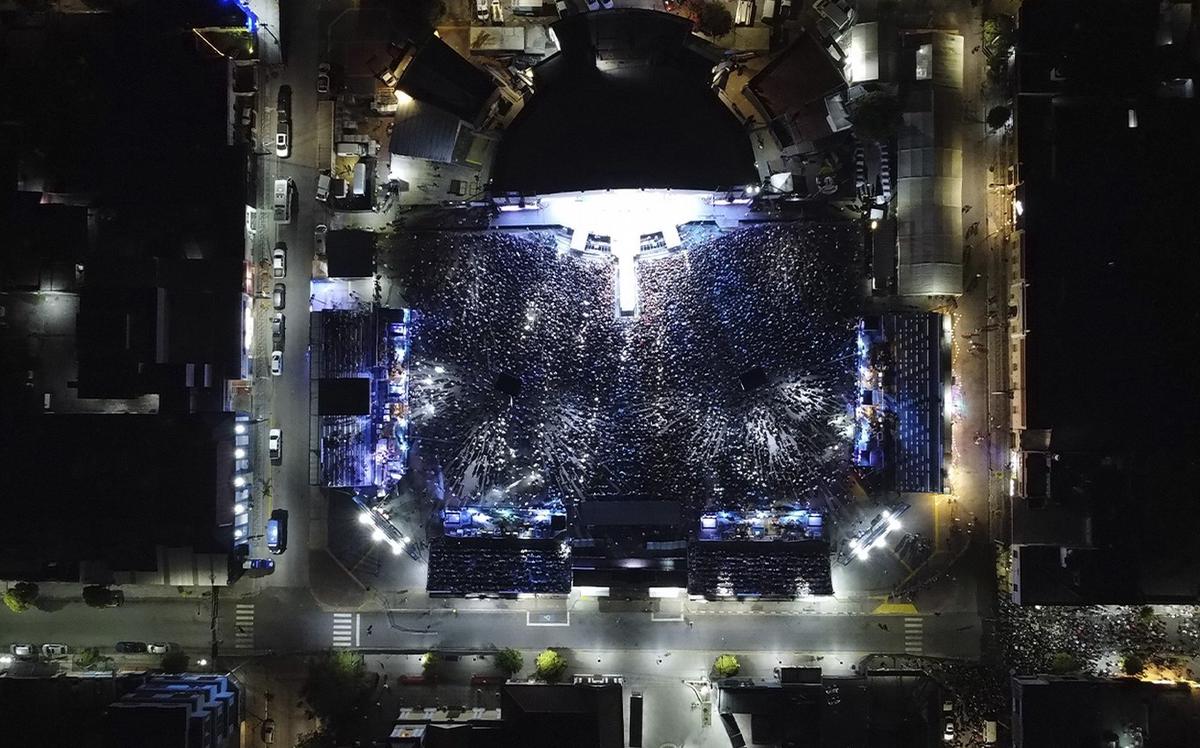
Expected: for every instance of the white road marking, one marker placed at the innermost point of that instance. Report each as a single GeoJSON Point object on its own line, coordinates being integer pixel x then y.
{"type": "Point", "coordinates": [343, 629]}
{"type": "Point", "coordinates": [545, 622]}
{"type": "Point", "coordinates": [914, 636]}
{"type": "Point", "coordinates": [243, 621]}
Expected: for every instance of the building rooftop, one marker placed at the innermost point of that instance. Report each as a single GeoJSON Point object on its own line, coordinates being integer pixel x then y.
{"type": "Point", "coordinates": [552, 716]}
{"type": "Point", "coordinates": [97, 495]}
{"type": "Point", "coordinates": [1054, 711]}
{"type": "Point", "coordinates": [624, 104]}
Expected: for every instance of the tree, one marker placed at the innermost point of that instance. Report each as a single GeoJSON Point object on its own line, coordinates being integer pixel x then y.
{"type": "Point", "coordinates": [1063, 662]}
{"type": "Point", "coordinates": [91, 659]}
{"type": "Point", "coordinates": [510, 661]}
{"type": "Point", "coordinates": [1133, 665]}
{"type": "Point", "coordinates": [101, 597]}
{"type": "Point", "coordinates": [429, 661]}
{"type": "Point", "coordinates": [713, 18]}
{"type": "Point", "coordinates": [335, 686]}
{"type": "Point", "coordinates": [174, 662]}
{"type": "Point", "coordinates": [875, 116]}
{"type": "Point", "coordinates": [550, 665]}
{"type": "Point", "coordinates": [726, 666]}
{"type": "Point", "coordinates": [20, 596]}
{"type": "Point", "coordinates": [316, 739]}
{"type": "Point", "coordinates": [997, 117]}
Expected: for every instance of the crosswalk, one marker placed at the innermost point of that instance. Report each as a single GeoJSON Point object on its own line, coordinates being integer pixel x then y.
{"type": "Point", "coordinates": [243, 619]}
{"type": "Point", "coordinates": [343, 629]}
{"type": "Point", "coordinates": [914, 636]}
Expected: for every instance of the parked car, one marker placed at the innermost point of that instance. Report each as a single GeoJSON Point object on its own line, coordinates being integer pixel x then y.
{"type": "Point", "coordinates": [323, 78]}
{"type": "Point", "coordinates": [323, 183]}
{"type": "Point", "coordinates": [593, 4]}
{"type": "Point", "coordinates": [262, 565]}
{"type": "Point", "coordinates": [277, 324]}
{"type": "Point", "coordinates": [481, 10]}
{"type": "Point", "coordinates": [268, 731]}
{"type": "Point", "coordinates": [319, 232]}
{"type": "Point", "coordinates": [948, 728]}
{"type": "Point", "coordinates": [131, 647]}
{"type": "Point", "coordinates": [159, 648]}
{"type": "Point", "coordinates": [276, 531]}
{"type": "Point", "coordinates": [283, 139]}
{"type": "Point", "coordinates": [276, 363]}
{"type": "Point", "coordinates": [279, 295]}
{"type": "Point", "coordinates": [55, 650]}
{"type": "Point", "coordinates": [279, 260]}
{"type": "Point", "coordinates": [837, 12]}
{"type": "Point", "coordinates": [22, 650]}
{"type": "Point", "coordinates": [607, 4]}
{"type": "Point", "coordinates": [283, 103]}
{"type": "Point", "coordinates": [275, 444]}
{"type": "Point", "coordinates": [744, 13]}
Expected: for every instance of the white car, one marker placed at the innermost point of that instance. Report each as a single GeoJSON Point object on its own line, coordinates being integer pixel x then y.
{"type": "Point", "coordinates": [323, 184]}
{"type": "Point", "coordinates": [276, 363]}
{"type": "Point", "coordinates": [481, 10]}
{"type": "Point", "coordinates": [275, 444]}
{"type": "Point", "coordinates": [283, 140]}
{"type": "Point", "coordinates": [279, 260]}
{"type": "Point", "coordinates": [319, 233]}
{"type": "Point", "coordinates": [743, 14]}
{"type": "Point", "coordinates": [159, 648]}
{"type": "Point", "coordinates": [22, 650]}
{"type": "Point", "coordinates": [277, 321]}
{"type": "Point", "coordinates": [55, 650]}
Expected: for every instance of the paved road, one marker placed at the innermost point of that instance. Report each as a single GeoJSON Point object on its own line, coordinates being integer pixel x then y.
{"type": "Point", "coordinates": [185, 622]}
{"type": "Point", "coordinates": [289, 393]}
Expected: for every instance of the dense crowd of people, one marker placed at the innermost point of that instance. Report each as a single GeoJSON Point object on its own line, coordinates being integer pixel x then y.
{"type": "Point", "coordinates": [522, 366]}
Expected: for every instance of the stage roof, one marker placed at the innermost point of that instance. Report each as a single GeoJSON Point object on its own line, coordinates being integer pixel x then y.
{"type": "Point", "coordinates": [344, 397]}
{"type": "Point", "coordinates": [351, 253]}
{"type": "Point", "coordinates": [651, 121]}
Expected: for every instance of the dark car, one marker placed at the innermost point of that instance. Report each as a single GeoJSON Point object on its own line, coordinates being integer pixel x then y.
{"type": "Point", "coordinates": [131, 647]}
{"type": "Point", "coordinates": [283, 106]}
{"type": "Point", "coordinates": [323, 78]}
{"type": "Point", "coordinates": [276, 531]}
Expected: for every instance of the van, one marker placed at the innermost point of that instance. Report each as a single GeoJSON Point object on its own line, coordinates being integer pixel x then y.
{"type": "Point", "coordinates": [989, 732]}
{"type": "Point", "coordinates": [283, 201]}
{"type": "Point", "coordinates": [350, 148]}
{"type": "Point", "coordinates": [360, 178]}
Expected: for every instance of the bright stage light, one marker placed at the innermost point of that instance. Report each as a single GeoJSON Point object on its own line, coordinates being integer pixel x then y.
{"type": "Point", "coordinates": [378, 535]}
{"type": "Point", "coordinates": [364, 518]}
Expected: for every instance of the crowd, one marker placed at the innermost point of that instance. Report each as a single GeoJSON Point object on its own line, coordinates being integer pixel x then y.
{"type": "Point", "coordinates": [522, 366]}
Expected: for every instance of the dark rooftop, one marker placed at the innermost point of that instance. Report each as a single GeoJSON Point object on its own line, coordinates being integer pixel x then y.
{"type": "Point", "coordinates": [109, 489]}
{"type": "Point", "coordinates": [553, 716]}
{"type": "Point", "coordinates": [351, 253]}
{"type": "Point", "coordinates": [652, 121]}
{"type": "Point", "coordinates": [1053, 712]}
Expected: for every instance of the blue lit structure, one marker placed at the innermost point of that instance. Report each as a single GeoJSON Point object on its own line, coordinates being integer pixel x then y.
{"type": "Point", "coordinates": [363, 437]}
{"type": "Point", "coordinates": [794, 524]}
{"type": "Point", "coordinates": [543, 521]}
